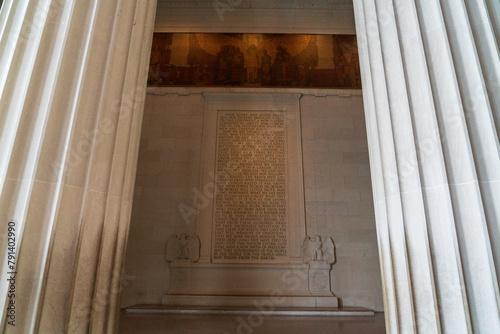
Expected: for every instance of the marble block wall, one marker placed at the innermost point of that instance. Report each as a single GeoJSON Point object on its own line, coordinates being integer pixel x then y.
{"type": "Point", "coordinates": [168, 168]}
{"type": "Point", "coordinates": [337, 191]}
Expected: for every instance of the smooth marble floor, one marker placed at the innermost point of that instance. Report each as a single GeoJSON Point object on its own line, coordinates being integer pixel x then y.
{"type": "Point", "coordinates": [245, 324]}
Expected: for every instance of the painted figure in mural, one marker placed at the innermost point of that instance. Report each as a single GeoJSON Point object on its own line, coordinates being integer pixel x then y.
{"type": "Point", "coordinates": [230, 65]}
{"type": "Point", "coordinates": [159, 59]}
{"type": "Point", "coordinates": [164, 64]}
{"type": "Point", "coordinates": [154, 65]}
{"type": "Point", "coordinates": [265, 68]}
{"type": "Point", "coordinates": [238, 68]}
{"type": "Point", "coordinates": [254, 60]}
{"type": "Point", "coordinates": [307, 61]}
{"type": "Point", "coordinates": [223, 68]}
{"type": "Point", "coordinates": [252, 64]}
{"type": "Point", "coordinates": [282, 66]}
{"type": "Point", "coordinates": [345, 61]}
{"type": "Point", "coordinates": [201, 65]}
{"type": "Point", "coordinates": [349, 58]}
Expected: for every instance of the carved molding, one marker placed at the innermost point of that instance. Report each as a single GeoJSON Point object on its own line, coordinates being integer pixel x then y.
{"type": "Point", "coordinates": [318, 248]}
{"type": "Point", "coordinates": [183, 247]}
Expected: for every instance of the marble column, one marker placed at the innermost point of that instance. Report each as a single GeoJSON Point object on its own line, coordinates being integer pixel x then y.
{"type": "Point", "coordinates": [72, 85]}
{"type": "Point", "coordinates": [431, 79]}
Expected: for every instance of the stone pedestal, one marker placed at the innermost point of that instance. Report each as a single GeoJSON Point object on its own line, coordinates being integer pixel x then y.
{"type": "Point", "coordinates": [204, 284]}
{"type": "Point", "coordinates": [319, 278]}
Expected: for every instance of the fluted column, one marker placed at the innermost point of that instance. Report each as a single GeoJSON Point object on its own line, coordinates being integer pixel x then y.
{"type": "Point", "coordinates": [430, 73]}
{"type": "Point", "coordinates": [72, 86]}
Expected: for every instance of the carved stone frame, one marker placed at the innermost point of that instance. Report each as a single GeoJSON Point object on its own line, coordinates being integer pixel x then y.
{"type": "Point", "coordinates": [289, 103]}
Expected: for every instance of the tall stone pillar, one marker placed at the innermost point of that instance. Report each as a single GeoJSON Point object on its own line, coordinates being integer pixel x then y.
{"type": "Point", "coordinates": [72, 86]}
{"type": "Point", "coordinates": [431, 79]}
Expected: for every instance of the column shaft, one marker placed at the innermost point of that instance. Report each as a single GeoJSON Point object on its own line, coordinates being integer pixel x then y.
{"type": "Point", "coordinates": [72, 80]}
{"type": "Point", "coordinates": [430, 71]}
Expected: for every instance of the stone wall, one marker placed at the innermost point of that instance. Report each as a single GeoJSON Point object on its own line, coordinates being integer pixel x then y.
{"type": "Point", "coordinates": [338, 194]}
{"type": "Point", "coordinates": [168, 168]}
{"type": "Point", "coordinates": [257, 16]}
{"type": "Point", "coordinates": [336, 179]}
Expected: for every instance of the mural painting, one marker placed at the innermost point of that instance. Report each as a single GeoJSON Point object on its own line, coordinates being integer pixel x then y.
{"type": "Point", "coordinates": [254, 60]}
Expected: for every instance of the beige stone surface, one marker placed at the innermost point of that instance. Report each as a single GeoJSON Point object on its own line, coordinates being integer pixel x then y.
{"type": "Point", "coordinates": [337, 192]}
{"type": "Point", "coordinates": [259, 322]}
{"type": "Point", "coordinates": [72, 75]}
{"type": "Point", "coordinates": [430, 71]}
{"type": "Point", "coordinates": [432, 109]}
{"type": "Point", "coordinates": [258, 16]}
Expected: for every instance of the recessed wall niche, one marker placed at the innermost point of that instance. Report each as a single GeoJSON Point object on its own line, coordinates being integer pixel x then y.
{"type": "Point", "coordinates": [178, 158]}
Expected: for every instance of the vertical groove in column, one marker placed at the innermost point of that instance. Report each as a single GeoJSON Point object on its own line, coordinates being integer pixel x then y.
{"type": "Point", "coordinates": [12, 23]}
{"type": "Point", "coordinates": [447, 270]}
{"type": "Point", "coordinates": [408, 170]}
{"type": "Point", "coordinates": [134, 93]}
{"type": "Point", "coordinates": [453, 134]}
{"type": "Point", "coordinates": [489, 70]}
{"type": "Point", "coordinates": [98, 89]}
{"type": "Point", "coordinates": [486, 154]}
{"type": "Point", "coordinates": [53, 166]}
{"type": "Point", "coordinates": [26, 154]}
{"type": "Point", "coordinates": [139, 93]}
{"type": "Point", "coordinates": [395, 218]}
{"type": "Point", "coordinates": [20, 53]}
{"type": "Point", "coordinates": [5, 9]}
{"type": "Point", "coordinates": [13, 90]}
{"type": "Point", "coordinates": [488, 53]}
{"type": "Point", "coordinates": [470, 222]}
{"type": "Point", "coordinates": [473, 92]}
{"type": "Point", "coordinates": [112, 156]}
{"type": "Point", "coordinates": [494, 16]}
{"type": "Point", "coordinates": [384, 243]}
{"type": "Point", "coordinates": [55, 157]}
{"type": "Point", "coordinates": [453, 122]}
{"type": "Point", "coordinates": [377, 175]}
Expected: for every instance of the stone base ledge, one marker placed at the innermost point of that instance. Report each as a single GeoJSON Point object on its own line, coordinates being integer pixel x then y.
{"type": "Point", "coordinates": [265, 310]}
{"type": "Point", "coordinates": [249, 266]}
{"type": "Point", "coordinates": [250, 301]}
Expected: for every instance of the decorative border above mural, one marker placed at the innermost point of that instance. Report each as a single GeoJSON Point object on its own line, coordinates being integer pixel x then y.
{"type": "Point", "coordinates": [254, 60]}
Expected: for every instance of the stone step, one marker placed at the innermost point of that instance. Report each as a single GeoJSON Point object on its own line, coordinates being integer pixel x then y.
{"type": "Point", "coordinates": [250, 301]}
{"type": "Point", "coordinates": [264, 310]}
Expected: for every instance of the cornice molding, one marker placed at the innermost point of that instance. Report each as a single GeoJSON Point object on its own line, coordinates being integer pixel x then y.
{"type": "Point", "coordinates": [251, 5]}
